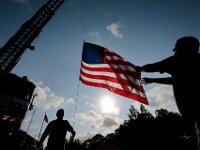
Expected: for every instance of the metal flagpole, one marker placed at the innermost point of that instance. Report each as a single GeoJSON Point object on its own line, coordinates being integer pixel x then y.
{"type": "Point", "coordinates": [76, 103]}
{"type": "Point", "coordinates": [41, 129]}
{"type": "Point", "coordinates": [83, 31]}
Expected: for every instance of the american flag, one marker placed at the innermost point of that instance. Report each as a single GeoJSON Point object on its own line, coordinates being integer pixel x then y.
{"type": "Point", "coordinates": [103, 68]}
{"type": "Point", "coordinates": [46, 118]}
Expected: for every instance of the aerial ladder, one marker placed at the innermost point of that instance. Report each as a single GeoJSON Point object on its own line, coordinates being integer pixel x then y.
{"type": "Point", "coordinates": [12, 51]}
{"type": "Point", "coordinates": [17, 93]}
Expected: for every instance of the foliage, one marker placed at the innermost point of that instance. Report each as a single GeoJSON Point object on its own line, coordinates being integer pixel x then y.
{"type": "Point", "coordinates": [143, 132]}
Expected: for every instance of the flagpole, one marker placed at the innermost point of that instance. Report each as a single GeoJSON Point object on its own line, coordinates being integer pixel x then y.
{"type": "Point", "coordinates": [76, 103]}
{"type": "Point", "coordinates": [41, 129]}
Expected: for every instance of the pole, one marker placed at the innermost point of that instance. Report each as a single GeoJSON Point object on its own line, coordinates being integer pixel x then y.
{"type": "Point", "coordinates": [76, 104]}
{"type": "Point", "coordinates": [41, 129]}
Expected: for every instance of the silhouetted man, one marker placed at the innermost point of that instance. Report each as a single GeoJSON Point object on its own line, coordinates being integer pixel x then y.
{"type": "Point", "coordinates": [184, 68]}
{"type": "Point", "coordinates": [57, 130]}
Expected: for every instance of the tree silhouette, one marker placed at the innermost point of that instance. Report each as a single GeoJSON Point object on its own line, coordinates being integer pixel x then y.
{"type": "Point", "coordinates": [133, 113]}
{"type": "Point", "coordinates": [142, 131]}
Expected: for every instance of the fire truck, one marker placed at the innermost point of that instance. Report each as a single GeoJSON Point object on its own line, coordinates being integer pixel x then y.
{"type": "Point", "coordinates": [17, 93]}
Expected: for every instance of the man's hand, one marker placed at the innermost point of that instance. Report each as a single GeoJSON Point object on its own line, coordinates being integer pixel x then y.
{"type": "Point", "coordinates": [72, 136]}
{"type": "Point", "coordinates": [39, 147]}
{"type": "Point", "coordinates": [73, 133]}
{"type": "Point", "coordinates": [147, 80]}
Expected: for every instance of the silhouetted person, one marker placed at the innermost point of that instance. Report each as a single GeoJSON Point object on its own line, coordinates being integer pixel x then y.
{"type": "Point", "coordinates": [57, 130]}
{"type": "Point", "coordinates": [184, 68]}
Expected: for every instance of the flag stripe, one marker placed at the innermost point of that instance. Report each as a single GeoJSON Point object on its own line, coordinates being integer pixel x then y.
{"type": "Point", "coordinates": [111, 84]}
{"type": "Point", "coordinates": [112, 77]}
{"type": "Point", "coordinates": [103, 68]}
{"type": "Point", "coordinates": [110, 60]}
{"type": "Point", "coordinates": [113, 80]}
{"type": "Point", "coordinates": [113, 56]}
{"type": "Point", "coordinates": [115, 69]}
{"type": "Point", "coordinates": [95, 65]}
{"type": "Point", "coordinates": [117, 91]}
{"type": "Point", "coordinates": [111, 74]}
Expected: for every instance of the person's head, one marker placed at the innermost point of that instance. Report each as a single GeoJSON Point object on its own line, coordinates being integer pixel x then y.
{"type": "Point", "coordinates": [187, 45]}
{"type": "Point", "coordinates": [60, 114]}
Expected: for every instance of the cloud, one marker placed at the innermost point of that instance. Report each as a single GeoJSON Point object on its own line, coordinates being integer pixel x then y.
{"type": "Point", "coordinates": [103, 126]}
{"type": "Point", "coordinates": [159, 96]}
{"type": "Point", "coordinates": [109, 122]}
{"type": "Point", "coordinates": [162, 96]}
{"type": "Point", "coordinates": [90, 116]}
{"type": "Point", "coordinates": [114, 29]}
{"type": "Point", "coordinates": [107, 125]}
{"type": "Point", "coordinates": [91, 105]}
{"type": "Point", "coordinates": [98, 120]}
{"type": "Point", "coordinates": [85, 135]}
{"type": "Point", "coordinates": [46, 99]}
{"type": "Point", "coordinates": [97, 123]}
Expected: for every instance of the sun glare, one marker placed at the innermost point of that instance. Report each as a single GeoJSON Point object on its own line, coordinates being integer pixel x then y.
{"type": "Point", "coordinates": [108, 106]}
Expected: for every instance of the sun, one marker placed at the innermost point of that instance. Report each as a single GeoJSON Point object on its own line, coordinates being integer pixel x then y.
{"type": "Point", "coordinates": [107, 105]}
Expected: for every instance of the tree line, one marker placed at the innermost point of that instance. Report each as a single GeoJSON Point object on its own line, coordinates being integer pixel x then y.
{"type": "Point", "coordinates": [142, 131]}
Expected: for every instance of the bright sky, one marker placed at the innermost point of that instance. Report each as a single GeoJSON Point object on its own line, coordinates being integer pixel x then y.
{"type": "Point", "coordinates": [141, 31]}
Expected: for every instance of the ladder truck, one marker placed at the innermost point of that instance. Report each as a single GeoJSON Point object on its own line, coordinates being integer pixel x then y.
{"type": "Point", "coordinates": [17, 93]}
